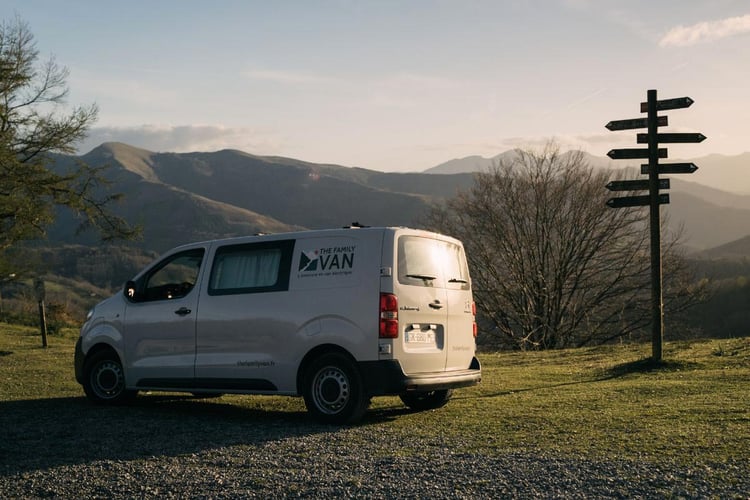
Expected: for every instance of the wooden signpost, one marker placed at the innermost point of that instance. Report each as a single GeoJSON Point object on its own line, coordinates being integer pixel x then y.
{"type": "Point", "coordinates": [653, 184]}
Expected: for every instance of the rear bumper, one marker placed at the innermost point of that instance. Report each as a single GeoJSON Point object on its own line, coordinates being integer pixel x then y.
{"type": "Point", "coordinates": [388, 378]}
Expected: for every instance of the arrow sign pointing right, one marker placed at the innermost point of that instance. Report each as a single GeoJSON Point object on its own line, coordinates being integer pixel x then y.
{"type": "Point", "coordinates": [672, 138]}
{"type": "Point", "coordinates": [676, 103]}
{"type": "Point", "coordinates": [672, 168]}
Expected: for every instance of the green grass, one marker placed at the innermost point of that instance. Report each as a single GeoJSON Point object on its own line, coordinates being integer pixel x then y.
{"type": "Point", "coordinates": [607, 402]}
{"type": "Point", "coordinates": [603, 402]}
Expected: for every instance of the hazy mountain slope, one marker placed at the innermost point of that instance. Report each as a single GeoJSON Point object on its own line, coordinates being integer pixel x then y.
{"type": "Point", "coordinates": [686, 184]}
{"type": "Point", "coordinates": [194, 196]}
{"type": "Point", "coordinates": [478, 163]}
{"type": "Point", "coordinates": [293, 192]}
{"type": "Point", "coordinates": [168, 215]}
{"type": "Point", "coordinates": [738, 249]}
{"type": "Point", "coordinates": [710, 216]}
{"type": "Point", "coordinates": [727, 173]}
{"type": "Point", "coordinates": [706, 224]}
{"type": "Point", "coordinates": [473, 163]}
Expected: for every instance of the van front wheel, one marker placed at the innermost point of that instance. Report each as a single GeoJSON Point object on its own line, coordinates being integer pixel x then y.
{"type": "Point", "coordinates": [427, 400]}
{"type": "Point", "coordinates": [333, 390]}
{"type": "Point", "coordinates": [104, 379]}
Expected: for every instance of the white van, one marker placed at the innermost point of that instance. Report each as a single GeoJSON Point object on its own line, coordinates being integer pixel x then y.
{"type": "Point", "coordinates": [337, 316]}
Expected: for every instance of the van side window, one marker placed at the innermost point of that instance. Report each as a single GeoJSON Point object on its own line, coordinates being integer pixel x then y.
{"type": "Point", "coordinates": [251, 268]}
{"type": "Point", "coordinates": [173, 278]}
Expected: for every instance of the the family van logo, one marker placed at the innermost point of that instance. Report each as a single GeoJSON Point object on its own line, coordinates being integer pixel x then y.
{"type": "Point", "coordinates": [327, 261]}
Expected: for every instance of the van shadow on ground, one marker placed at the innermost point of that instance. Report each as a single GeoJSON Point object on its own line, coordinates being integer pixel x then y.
{"type": "Point", "coordinates": [46, 433]}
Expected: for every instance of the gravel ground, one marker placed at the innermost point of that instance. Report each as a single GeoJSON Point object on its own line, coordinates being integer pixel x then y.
{"type": "Point", "coordinates": [359, 463]}
{"type": "Point", "coordinates": [173, 448]}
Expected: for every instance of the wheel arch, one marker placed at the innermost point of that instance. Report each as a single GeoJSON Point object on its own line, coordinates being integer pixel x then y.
{"type": "Point", "coordinates": [315, 353]}
{"type": "Point", "coordinates": [102, 346]}
{"type": "Point", "coordinates": [81, 357]}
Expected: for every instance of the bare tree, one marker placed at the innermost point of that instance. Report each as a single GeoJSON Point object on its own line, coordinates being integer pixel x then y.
{"type": "Point", "coordinates": [552, 265]}
{"type": "Point", "coordinates": [34, 126]}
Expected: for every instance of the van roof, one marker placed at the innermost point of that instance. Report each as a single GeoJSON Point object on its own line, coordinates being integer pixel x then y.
{"type": "Point", "coordinates": [307, 232]}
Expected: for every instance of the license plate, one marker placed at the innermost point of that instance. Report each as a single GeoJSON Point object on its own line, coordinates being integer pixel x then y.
{"type": "Point", "coordinates": [420, 337]}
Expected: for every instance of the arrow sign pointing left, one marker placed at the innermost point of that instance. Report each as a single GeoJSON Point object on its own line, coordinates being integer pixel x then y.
{"type": "Point", "coordinates": [635, 201]}
{"type": "Point", "coordinates": [628, 154]}
{"type": "Point", "coordinates": [635, 185]}
{"type": "Point", "coordinates": [661, 121]}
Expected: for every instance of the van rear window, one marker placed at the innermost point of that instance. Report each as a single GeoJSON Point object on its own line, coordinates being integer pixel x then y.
{"type": "Point", "coordinates": [251, 268]}
{"type": "Point", "coordinates": [429, 262]}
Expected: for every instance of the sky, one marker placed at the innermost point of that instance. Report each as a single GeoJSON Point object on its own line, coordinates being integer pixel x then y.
{"type": "Point", "coordinates": [397, 85]}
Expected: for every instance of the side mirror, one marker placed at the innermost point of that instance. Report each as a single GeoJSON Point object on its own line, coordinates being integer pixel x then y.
{"type": "Point", "coordinates": [130, 291]}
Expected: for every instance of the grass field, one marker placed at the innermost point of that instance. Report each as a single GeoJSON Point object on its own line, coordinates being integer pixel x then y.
{"type": "Point", "coordinates": [602, 402]}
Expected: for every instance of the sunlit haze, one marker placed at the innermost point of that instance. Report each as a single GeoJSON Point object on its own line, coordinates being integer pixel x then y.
{"type": "Point", "coordinates": [397, 85]}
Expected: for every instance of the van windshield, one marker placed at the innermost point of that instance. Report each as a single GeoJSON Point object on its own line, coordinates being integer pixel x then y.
{"type": "Point", "coordinates": [432, 263]}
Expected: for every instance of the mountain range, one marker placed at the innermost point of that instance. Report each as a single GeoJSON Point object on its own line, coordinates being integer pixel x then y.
{"type": "Point", "coordinates": [183, 197]}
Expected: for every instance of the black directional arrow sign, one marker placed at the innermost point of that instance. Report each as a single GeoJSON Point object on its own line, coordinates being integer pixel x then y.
{"type": "Point", "coordinates": [627, 154]}
{"type": "Point", "coordinates": [635, 185]}
{"type": "Point", "coordinates": [672, 138]}
{"type": "Point", "coordinates": [672, 168]}
{"type": "Point", "coordinates": [662, 121]}
{"type": "Point", "coordinates": [663, 105]}
{"type": "Point", "coordinates": [653, 184]}
{"type": "Point", "coordinates": [635, 201]}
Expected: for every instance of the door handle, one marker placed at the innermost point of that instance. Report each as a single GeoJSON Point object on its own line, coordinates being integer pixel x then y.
{"type": "Point", "coordinates": [183, 311]}
{"type": "Point", "coordinates": [436, 305]}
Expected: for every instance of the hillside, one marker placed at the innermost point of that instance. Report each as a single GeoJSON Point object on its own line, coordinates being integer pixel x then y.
{"type": "Point", "coordinates": [711, 215]}
{"type": "Point", "coordinates": [734, 250]}
{"type": "Point", "coordinates": [729, 174]}
{"type": "Point", "coordinates": [194, 196]}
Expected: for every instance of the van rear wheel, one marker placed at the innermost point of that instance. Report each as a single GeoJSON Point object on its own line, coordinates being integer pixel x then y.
{"type": "Point", "coordinates": [333, 390]}
{"type": "Point", "coordinates": [426, 400]}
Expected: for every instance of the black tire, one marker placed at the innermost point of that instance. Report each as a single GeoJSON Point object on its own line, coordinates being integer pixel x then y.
{"type": "Point", "coordinates": [428, 400]}
{"type": "Point", "coordinates": [333, 390]}
{"type": "Point", "coordinates": [104, 379]}
{"type": "Point", "coordinates": [208, 395]}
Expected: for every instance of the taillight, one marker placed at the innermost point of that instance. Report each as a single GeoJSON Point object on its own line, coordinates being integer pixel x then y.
{"type": "Point", "coordinates": [474, 313]}
{"type": "Point", "coordinates": [388, 316]}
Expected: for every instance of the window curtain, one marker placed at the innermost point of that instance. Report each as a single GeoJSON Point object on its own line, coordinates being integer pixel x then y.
{"type": "Point", "coordinates": [258, 268]}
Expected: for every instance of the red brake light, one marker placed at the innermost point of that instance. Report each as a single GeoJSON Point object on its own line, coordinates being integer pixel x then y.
{"type": "Point", "coordinates": [388, 316]}
{"type": "Point", "coordinates": [474, 313]}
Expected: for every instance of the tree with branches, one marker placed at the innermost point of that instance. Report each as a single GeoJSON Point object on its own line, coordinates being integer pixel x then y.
{"type": "Point", "coordinates": [552, 266]}
{"type": "Point", "coordinates": [34, 128]}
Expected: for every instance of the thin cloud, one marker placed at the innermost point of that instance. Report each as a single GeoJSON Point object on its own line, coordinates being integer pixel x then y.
{"type": "Point", "coordinates": [186, 138]}
{"type": "Point", "coordinates": [683, 36]}
{"type": "Point", "coordinates": [286, 77]}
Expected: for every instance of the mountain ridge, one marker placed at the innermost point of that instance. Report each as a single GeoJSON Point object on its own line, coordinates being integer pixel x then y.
{"type": "Point", "coordinates": [180, 197]}
{"type": "Point", "coordinates": [730, 173]}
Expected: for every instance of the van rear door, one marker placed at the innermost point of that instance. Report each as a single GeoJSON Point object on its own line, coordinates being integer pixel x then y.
{"type": "Point", "coordinates": [460, 341]}
{"type": "Point", "coordinates": [435, 317]}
